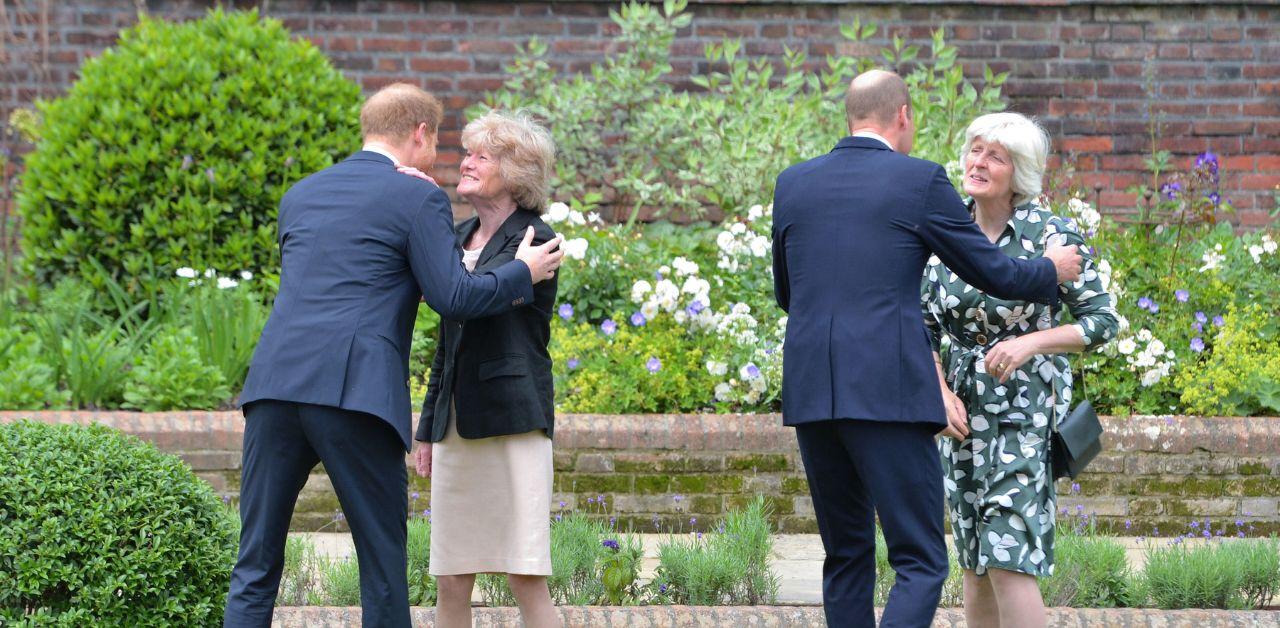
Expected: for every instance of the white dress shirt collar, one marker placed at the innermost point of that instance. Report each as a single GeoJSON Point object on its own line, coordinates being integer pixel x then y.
{"type": "Point", "coordinates": [382, 150]}
{"type": "Point", "coordinates": [874, 136]}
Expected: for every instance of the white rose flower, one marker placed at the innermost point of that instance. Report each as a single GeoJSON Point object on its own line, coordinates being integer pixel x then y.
{"type": "Point", "coordinates": [593, 217]}
{"type": "Point", "coordinates": [737, 228]}
{"type": "Point", "coordinates": [227, 282]}
{"type": "Point", "coordinates": [649, 309]}
{"type": "Point", "coordinates": [186, 273]}
{"type": "Point", "coordinates": [723, 391]}
{"type": "Point", "coordinates": [755, 212]}
{"type": "Point", "coordinates": [1156, 347]}
{"type": "Point", "coordinates": [246, 275]}
{"type": "Point", "coordinates": [639, 289]}
{"type": "Point", "coordinates": [684, 267]}
{"type": "Point", "coordinates": [751, 396]}
{"type": "Point", "coordinates": [759, 246]}
{"type": "Point", "coordinates": [1255, 251]}
{"type": "Point", "coordinates": [1144, 335]}
{"type": "Point", "coordinates": [556, 212]}
{"type": "Point", "coordinates": [724, 240]}
{"type": "Point", "coordinates": [1126, 346]}
{"type": "Point", "coordinates": [576, 218]}
{"type": "Point", "coordinates": [1150, 378]}
{"type": "Point", "coordinates": [666, 290]}
{"type": "Point", "coordinates": [717, 369]}
{"type": "Point", "coordinates": [210, 273]}
{"type": "Point", "coordinates": [575, 248]}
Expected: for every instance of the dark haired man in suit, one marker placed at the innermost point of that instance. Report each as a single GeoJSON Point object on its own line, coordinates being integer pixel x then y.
{"type": "Point", "coordinates": [360, 246]}
{"type": "Point", "coordinates": [852, 232]}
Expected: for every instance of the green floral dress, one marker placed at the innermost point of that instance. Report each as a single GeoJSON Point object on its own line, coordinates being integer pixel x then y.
{"type": "Point", "coordinates": [999, 484]}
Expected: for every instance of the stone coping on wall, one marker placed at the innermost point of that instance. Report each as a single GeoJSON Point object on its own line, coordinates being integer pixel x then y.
{"type": "Point", "coordinates": [779, 616]}
{"type": "Point", "coordinates": [196, 430]}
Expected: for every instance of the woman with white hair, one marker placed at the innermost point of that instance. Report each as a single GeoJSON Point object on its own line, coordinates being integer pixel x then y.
{"type": "Point", "coordinates": [1005, 372]}
{"type": "Point", "coordinates": [485, 431]}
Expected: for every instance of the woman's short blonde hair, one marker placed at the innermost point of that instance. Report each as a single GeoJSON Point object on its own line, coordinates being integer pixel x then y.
{"type": "Point", "coordinates": [1027, 143]}
{"type": "Point", "coordinates": [524, 150]}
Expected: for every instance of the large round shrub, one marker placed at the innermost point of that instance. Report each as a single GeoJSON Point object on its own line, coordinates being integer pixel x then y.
{"type": "Point", "coordinates": [174, 148]}
{"type": "Point", "coordinates": [100, 529]}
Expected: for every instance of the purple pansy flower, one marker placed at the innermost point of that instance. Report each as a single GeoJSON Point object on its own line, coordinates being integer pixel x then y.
{"type": "Point", "coordinates": [566, 311]}
{"type": "Point", "coordinates": [610, 543]}
{"type": "Point", "coordinates": [1182, 296]}
{"type": "Point", "coordinates": [572, 363]}
{"type": "Point", "coordinates": [1218, 322]}
{"type": "Point", "coordinates": [653, 365]}
{"type": "Point", "coordinates": [638, 319]}
{"type": "Point", "coordinates": [695, 306]}
{"type": "Point", "coordinates": [608, 327]}
{"type": "Point", "coordinates": [187, 161]}
{"type": "Point", "coordinates": [1214, 198]}
{"type": "Point", "coordinates": [1201, 318]}
{"type": "Point", "coordinates": [1207, 160]}
{"type": "Point", "coordinates": [1199, 327]}
{"type": "Point", "coordinates": [208, 173]}
{"type": "Point", "coordinates": [1144, 302]}
{"type": "Point", "coordinates": [1170, 190]}
{"type": "Point", "coordinates": [1197, 344]}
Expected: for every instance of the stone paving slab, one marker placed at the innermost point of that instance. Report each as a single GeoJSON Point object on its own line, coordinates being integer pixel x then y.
{"type": "Point", "coordinates": [780, 617]}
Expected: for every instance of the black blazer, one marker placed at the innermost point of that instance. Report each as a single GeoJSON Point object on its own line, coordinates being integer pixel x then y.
{"type": "Point", "coordinates": [495, 370]}
{"type": "Point", "coordinates": [360, 246]}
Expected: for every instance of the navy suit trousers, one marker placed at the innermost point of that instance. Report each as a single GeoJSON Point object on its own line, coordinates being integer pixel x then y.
{"type": "Point", "coordinates": [364, 458]}
{"type": "Point", "coordinates": [856, 470]}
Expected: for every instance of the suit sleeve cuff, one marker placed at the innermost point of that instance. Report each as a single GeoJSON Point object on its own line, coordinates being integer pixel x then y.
{"type": "Point", "coordinates": [516, 276]}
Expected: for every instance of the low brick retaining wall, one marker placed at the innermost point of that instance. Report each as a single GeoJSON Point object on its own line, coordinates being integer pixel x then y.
{"type": "Point", "coordinates": [1155, 472]}
{"type": "Point", "coordinates": [778, 616]}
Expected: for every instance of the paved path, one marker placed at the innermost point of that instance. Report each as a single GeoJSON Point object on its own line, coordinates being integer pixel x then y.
{"type": "Point", "coordinates": [797, 559]}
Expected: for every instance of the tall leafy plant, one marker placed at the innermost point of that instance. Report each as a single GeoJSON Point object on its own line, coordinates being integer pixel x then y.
{"type": "Point", "coordinates": [174, 148]}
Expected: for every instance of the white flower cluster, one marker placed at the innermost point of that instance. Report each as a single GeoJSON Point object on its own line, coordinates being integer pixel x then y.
{"type": "Point", "coordinates": [1266, 247]}
{"type": "Point", "coordinates": [1086, 215]}
{"type": "Point", "coordinates": [738, 241]}
{"type": "Point", "coordinates": [574, 248]}
{"type": "Point", "coordinates": [559, 212]}
{"type": "Point", "coordinates": [1144, 353]}
{"type": "Point", "coordinates": [195, 278]}
{"type": "Point", "coordinates": [1212, 258]}
{"type": "Point", "coordinates": [686, 296]}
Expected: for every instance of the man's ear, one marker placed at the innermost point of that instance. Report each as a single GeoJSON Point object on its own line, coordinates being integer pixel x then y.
{"type": "Point", "coordinates": [904, 116]}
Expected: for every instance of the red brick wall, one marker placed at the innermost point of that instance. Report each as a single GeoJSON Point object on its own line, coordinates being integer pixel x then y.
{"type": "Point", "coordinates": [1214, 66]}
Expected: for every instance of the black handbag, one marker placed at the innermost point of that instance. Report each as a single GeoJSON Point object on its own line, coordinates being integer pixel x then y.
{"type": "Point", "coordinates": [1078, 439]}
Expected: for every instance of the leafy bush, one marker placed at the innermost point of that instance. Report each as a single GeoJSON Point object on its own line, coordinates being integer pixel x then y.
{"type": "Point", "coordinates": [726, 143]}
{"type": "Point", "coordinates": [91, 352]}
{"type": "Point", "coordinates": [952, 587]}
{"type": "Point", "coordinates": [170, 375]}
{"type": "Point", "coordinates": [1090, 571]}
{"type": "Point", "coordinates": [27, 382]}
{"type": "Point", "coordinates": [158, 158]}
{"type": "Point", "coordinates": [1230, 574]}
{"type": "Point", "coordinates": [225, 317]}
{"type": "Point", "coordinates": [97, 528]}
{"type": "Point", "coordinates": [582, 552]}
{"type": "Point", "coordinates": [727, 567]}
{"type": "Point", "coordinates": [422, 585]}
{"type": "Point", "coordinates": [339, 583]}
{"type": "Point", "coordinates": [1241, 374]}
{"type": "Point", "coordinates": [298, 580]}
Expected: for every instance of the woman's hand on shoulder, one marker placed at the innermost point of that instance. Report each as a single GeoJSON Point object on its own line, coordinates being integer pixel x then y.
{"type": "Point", "coordinates": [414, 172]}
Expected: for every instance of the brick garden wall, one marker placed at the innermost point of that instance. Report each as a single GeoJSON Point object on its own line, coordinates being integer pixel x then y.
{"type": "Point", "coordinates": [1154, 472]}
{"type": "Point", "coordinates": [1212, 67]}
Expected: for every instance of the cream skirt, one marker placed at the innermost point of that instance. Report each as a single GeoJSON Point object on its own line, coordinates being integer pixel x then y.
{"type": "Point", "coordinates": [491, 504]}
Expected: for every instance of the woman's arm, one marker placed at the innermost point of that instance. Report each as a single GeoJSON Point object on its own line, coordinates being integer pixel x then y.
{"type": "Point", "coordinates": [1088, 301]}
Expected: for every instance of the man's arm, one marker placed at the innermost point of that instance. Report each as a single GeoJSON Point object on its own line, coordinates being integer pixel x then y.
{"type": "Point", "coordinates": [948, 229]}
{"type": "Point", "coordinates": [781, 287]}
{"type": "Point", "coordinates": [445, 283]}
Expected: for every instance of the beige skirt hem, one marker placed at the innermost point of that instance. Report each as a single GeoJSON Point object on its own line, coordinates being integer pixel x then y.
{"type": "Point", "coordinates": [493, 565]}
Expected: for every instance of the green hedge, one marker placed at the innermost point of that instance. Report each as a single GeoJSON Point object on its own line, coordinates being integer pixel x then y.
{"type": "Point", "coordinates": [174, 148]}
{"type": "Point", "coordinates": [98, 528]}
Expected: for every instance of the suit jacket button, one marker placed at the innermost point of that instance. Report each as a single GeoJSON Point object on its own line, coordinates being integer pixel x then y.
{"type": "Point", "coordinates": [981, 338]}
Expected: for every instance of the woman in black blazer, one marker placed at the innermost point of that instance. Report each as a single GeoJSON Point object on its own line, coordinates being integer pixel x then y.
{"type": "Point", "coordinates": [487, 420]}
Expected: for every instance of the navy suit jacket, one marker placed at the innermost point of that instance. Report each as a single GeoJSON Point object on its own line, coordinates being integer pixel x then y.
{"type": "Point", "coordinates": [852, 232]}
{"type": "Point", "coordinates": [360, 246]}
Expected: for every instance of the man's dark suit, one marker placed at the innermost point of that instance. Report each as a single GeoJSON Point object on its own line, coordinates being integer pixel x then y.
{"type": "Point", "coordinates": [852, 232]}
{"type": "Point", "coordinates": [361, 245]}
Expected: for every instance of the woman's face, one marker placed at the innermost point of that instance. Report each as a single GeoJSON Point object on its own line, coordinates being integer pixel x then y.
{"type": "Point", "coordinates": [988, 172]}
{"type": "Point", "coordinates": [479, 176]}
